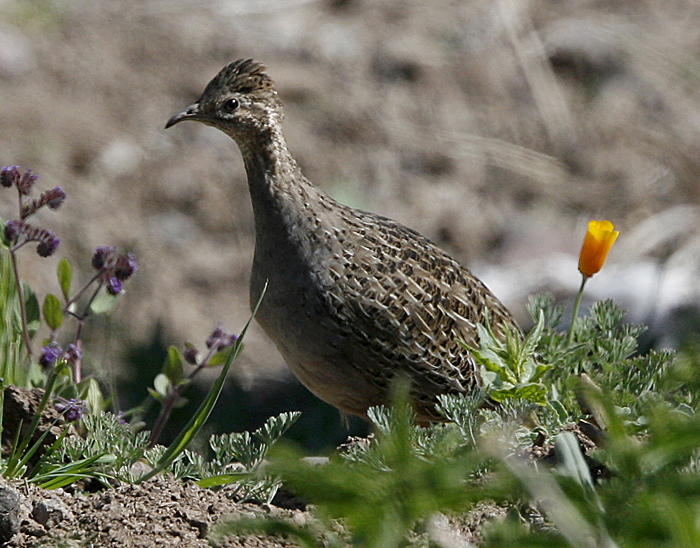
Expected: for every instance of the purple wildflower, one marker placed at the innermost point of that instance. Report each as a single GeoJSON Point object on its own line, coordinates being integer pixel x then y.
{"type": "Point", "coordinates": [73, 353]}
{"type": "Point", "coordinates": [103, 257]}
{"type": "Point", "coordinates": [54, 198]}
{"type": "Point", "coordinates": [125, 266]}
{"type": "Point", "coordinates": [48, 245]}
{"type": "Point", "coordinates": [72, 409]}
{"type": "Point", "coordinates": [221, 338]}
{"type": "Point", "coordinates": [9, 176]}
{"type": "Point", "coordinates": [114, 286]}
{"type": "Point", "coordinates": [49, 354]}
{"type": "Point", "coordinates": [26, 182]}
{"type": "Point", "coordinates": [191, 354]}
{"type": "Point", "coordinates": [13, 229]}
{"type": "Point", "coordinates": [215, 337]}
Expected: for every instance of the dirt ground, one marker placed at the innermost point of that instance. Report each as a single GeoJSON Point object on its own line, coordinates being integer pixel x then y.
{"type": "Point", "coordinates": [497, 129]}
{"type": "Point", "coordinates": [165, 512]}
{"type": "Point", "coordinates": [162, 512]}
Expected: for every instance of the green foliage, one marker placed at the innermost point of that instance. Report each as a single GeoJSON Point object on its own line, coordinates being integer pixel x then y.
{"type": "Point", "coordinates": [405, 476]}
{"type": "Point", "coordinates": [195, 424]}
{"type": "Point", "coordinates": [31, 302]}
{"type": "Point", "coordinates": [605, 350]}
{"type": "Point", "coordinates": [11, 356]}
{"type": "Point", "coordinates": [109, 452]}
{"type": "Point", "coordinates": [385, 491]}
{"type": "Point", "coordinates": [238, 458]}
{"type": "Point", "coordinates": [509, 370]}
{"type": "Point", "coordinates": [15, 465]}
{"type": "Point", "coordinates": [651, 498]}
{"type": "Point", "coordinates": [65, 276]}
{"type": "Point", "coordinates": [53, 312]}
{"type": "Point", "coordinates": [108, 446]}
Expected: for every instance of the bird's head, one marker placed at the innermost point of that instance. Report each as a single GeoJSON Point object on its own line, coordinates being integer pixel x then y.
{"type": "Point", "coordinates": [241, 101]}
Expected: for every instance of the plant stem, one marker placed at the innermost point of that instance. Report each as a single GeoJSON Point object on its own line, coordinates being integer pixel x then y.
{"type": "Point", "coordinates": [163, 416]}
{"type": "Point", "coordinates": [169, 403]}
{"type": "Point", "coordinates": [577, 305]}
{"type": "Point", "coordinates": [77, 366]}
{"type": "Point", "coordinates": [22, 305]}
{"type": "Point", "coordinates": [79, 294]}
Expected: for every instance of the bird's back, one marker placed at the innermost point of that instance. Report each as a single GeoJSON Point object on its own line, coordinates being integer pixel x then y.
{"type": "Point", "coordinates": [372, 298]}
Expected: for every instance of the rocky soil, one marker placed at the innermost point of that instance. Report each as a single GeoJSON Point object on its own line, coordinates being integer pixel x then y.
{"type": "Point", "coordinates": [161, 512]}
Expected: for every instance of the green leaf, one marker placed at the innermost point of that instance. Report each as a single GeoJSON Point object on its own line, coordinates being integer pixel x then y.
{"type": "Point", "coordinates": [173, 368]}
{"type": "Point", "coordinates": [20, 454]}
{"type": "Point", "coordinates": [540, 370]}
{"type": "Point", "coordinates": [222, 479]}
{"type": "Point", "coordinates": [33, 311]}
{"type": "Point", "coordinates": [536, 393]}
{"type": "Point", "coordinates": [66, 474]}
{"type": "Point", "coordinates": [89, 391]}
{"type": "Point", "coordinates": [275, 427]}
{"type": "Point", "coordinates": [533, 338]}
{"type": "Point", "coordinates": [559, 409]}
{"type": "Point", "coordinates": [103, 303]}
{"type": "Point", "coordinates": [65, 275]}
{"type": "Point", "coordinates": [154, 394]}
{"type": "Point", "coordinates": [221, 357]}
{"type": "Point", "coordinates": [53, 311]}
{"type": "Point", "coordinates": [570, 460]}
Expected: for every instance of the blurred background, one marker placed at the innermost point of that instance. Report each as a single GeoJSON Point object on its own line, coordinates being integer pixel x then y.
{"type": "Point", "coordinates": [497, 129]}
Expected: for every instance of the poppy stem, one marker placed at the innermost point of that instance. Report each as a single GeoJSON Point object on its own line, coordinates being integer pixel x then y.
{"type": "Point", "coordinates": [577, 305]}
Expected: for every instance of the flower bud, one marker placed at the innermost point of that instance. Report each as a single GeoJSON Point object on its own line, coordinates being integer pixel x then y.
{"type": "Point", "coordinates": [72, 409]}
{"type": "Point", "coordinates": [26, 182]}
{"type": "Point", "coordinates": [73, 353]}
{"type": "Point", "coordinates": [215, 337]}
{"type": "Point", "coordinates": [9, 176]}
{"type": "Point", "coordinates": [54, 198]}
{"type": "Point", "coordinates": [599, 239]}
{"type": "Point", "coordinates": [49, 354]}
{"type": "Point", "coordinates": [103, 257]}
{"type": "Point", "coordinates": [13, 229]}
{"type": "Point", "coordinates": [114, 286]}
{"type": "Point", "coordinates": [48, 245]}
{"type": "Point", "coordinates": [125, 266]}
{"type": "Point", "coordinates": [191, 354]}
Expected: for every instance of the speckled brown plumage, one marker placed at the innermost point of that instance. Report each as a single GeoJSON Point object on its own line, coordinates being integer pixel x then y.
{"type": "Point", "coordinates": [353, 297]}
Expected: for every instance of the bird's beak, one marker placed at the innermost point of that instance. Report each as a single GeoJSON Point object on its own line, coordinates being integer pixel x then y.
{"type": "Point", "coordinates": [189, 113]}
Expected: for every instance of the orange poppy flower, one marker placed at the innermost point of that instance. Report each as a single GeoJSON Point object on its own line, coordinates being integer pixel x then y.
{"type": "Point", "coordinates": [599, 239]}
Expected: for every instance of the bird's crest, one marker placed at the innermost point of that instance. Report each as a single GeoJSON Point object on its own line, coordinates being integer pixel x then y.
{"type": "Point", "coordinates": [242, 76]}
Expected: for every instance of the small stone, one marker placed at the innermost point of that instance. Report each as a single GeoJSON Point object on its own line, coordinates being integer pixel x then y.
{"type": "Point", "coordinates": [50, 512]}
{"type": "Point", "coordinates": [9, 513]}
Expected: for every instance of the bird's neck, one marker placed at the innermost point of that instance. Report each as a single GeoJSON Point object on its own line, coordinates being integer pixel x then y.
{"type": "Point", "coordinates": [280, 193]}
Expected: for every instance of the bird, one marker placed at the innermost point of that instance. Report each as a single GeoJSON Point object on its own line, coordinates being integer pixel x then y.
{"type": "Point", "coordinates": [352, 299]}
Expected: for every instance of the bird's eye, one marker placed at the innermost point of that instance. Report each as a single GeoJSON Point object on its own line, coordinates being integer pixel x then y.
{"type": "Point", "coordinates": [230, 105]}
